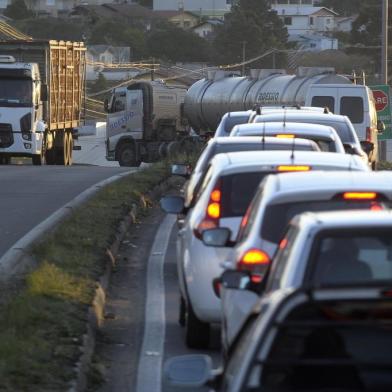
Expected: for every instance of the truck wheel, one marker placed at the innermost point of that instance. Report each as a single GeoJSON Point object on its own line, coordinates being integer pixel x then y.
{"type": "Point", "coordinates": [197, 333]}
{"type": "Point", "coordinates": [38, 160]}
{"type": "Point", "coordinates": [70, 148]}
{"type": "Point", "coordinates": [127, 156]}
{"type": "Point", "coordinates": [50, 156]}
{"type": "Point", "coordinates": [5, 160]}
{"type": "Point", "coordinates": [62, 151]}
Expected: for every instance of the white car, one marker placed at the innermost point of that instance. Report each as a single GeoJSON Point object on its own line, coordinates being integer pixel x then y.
{"type": "Point", "coordinates": [325, 136]}
{"type": "Point", "coordinates": [278, 199]}
{"type": "Point", "coordinates": [224, 196]}
{"type": "Point", "coordinates": [221, 145]}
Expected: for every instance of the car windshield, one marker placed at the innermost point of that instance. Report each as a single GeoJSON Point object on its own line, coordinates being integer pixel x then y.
{"type": "Point", "coordinates": [347, 258]}
{"type": "Point", "coordinates": [277, 216]}
{"type": "Point", "coordinates": [238, 191]}
{"type": "Point", "coordinates": [15, 92]}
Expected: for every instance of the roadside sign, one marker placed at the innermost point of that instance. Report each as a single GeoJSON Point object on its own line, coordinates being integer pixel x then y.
{"type": "Point", "coordinates": [382, 96]}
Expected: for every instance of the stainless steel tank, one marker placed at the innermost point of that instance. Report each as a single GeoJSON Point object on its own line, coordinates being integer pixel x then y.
{"type": "Point", "coordinates": [209, 99]}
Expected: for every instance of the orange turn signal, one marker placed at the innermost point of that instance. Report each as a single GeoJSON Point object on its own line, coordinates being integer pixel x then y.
{"type": "Point", "coordinates": [285, 136]}
{"type": "Point", "coordinates": [255, 256]}
{"type": "Point", "coordinates": [293, 168]}
{"type": "Point", "coordinates": [213, 210]}
{"type": "Point", "coordinates": [359, 195]}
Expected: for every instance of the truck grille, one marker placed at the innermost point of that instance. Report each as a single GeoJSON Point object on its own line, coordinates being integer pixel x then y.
{"type": "Point", "coordinates": [6, 136]}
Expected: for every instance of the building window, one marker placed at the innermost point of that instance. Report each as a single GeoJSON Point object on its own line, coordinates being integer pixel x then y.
{"type": "Point", "coordinates": [307, 2]}
{"type": "Point", "coordinates": [328, 21]}
{"type": "Point", "coordinates": [294, 1]}
{"type": "Point", "coordinates": [311, 20]}
{"type": "Point", "coordinates": [288, 20]}
{"type": "Point", "coordinates": [3, 4]}
{"type": "Point", "coordinates": [283, 2]}
{"type": "Point", "coordinates": [50, 2]}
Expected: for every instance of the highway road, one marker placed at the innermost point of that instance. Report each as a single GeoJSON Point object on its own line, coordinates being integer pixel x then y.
{"type": "Point", "coordinates": [29, 194]}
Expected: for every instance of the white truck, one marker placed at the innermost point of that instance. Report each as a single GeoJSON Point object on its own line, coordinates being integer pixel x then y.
{"type": "Point", "coordinates": [145, 122]}
{"type": "Point", "coordinates": [41, 99]}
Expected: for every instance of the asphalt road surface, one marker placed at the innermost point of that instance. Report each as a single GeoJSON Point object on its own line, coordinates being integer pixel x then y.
{"type": "Point", "coordinates": [29, 194]}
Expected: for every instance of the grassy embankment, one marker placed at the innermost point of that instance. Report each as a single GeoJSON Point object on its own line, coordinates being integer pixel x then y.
{"type": "Point", "coordinates": [41, 328]}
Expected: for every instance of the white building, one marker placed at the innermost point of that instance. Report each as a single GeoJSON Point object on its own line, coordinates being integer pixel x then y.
{"type": "Point", "coordinates": [207, 29]}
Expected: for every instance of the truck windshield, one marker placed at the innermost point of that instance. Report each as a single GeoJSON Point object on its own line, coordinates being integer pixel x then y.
{"type": "Point", "coordinates": [15, 92]}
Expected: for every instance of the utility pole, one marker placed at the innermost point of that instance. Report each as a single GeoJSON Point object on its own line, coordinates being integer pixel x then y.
{"type": "Point", "coordinates": [384, 45]}
{"type": "Point", "coordinates": [243, 57]}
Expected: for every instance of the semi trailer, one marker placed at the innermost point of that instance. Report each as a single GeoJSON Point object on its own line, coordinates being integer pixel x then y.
{"type": "Point", "coordinates": [145, 122]}
{"type": "Point", "coordinates": [42, 87]}
{"type": "Point", "coordinates": [221, 92]}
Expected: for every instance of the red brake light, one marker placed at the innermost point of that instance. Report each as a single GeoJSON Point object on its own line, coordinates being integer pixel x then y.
{"type": "Point", "coordinates": [293, 168]}
{"type": "Point", "coordinates": [360, 195]}
{"type": "Point", "coordinates": [283, 243]}
{"type": "Point", "coordinates": [213, 212]}
{"type": "Point", "coordinates": [376, 207]}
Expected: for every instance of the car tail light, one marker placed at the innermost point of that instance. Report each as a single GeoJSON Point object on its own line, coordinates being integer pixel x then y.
{"type": "Point", "coordinates": [293, 168]}
{"type": "Point", "coordinates": [254, 260]}
{"type": "Point", "coordinates": [360, 195]}
{"type": "Point", "coordinates": [213, 212]}
{"type": "Point", "coordinates": [376, 207]}
{"type": "Point", "coordinates": [368, 134]}
{"type": "Point", "coordinates": [285, 136]}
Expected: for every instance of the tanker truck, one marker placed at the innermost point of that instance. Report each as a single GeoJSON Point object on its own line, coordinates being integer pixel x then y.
{"type": "Point", "coordinates": [221, 92]}
{"type": "Point", "coordinates": [41, 95]}
{"type": "Point", "coordinates": [145, 122]}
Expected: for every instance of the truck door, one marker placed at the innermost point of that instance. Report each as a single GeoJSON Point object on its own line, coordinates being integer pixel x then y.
{"type": "Point", "coordinates": [323, 96]}
{"type": "Point", "coordinates": [134, 115]}
{"type": "Point", "coordinates": [116, 115]}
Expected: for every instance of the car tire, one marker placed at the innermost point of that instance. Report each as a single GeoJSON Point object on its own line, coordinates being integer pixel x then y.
{"type": "Point", "coordinates": [197, 332]}
{"type": "Point", "coordinates": [182, 312]}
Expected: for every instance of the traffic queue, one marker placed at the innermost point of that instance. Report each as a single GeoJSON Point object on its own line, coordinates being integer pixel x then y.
{"type": "Point", "coordinates": [284, 241]}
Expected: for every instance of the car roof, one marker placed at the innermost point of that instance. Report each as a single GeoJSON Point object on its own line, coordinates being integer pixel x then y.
{"type": "Point", "coordinates": [345, 219]}
{"type": "Point", "coordinates": [238, 113]}
{"type": "Point", "coordinates": [310, 185]}
{"type": "Point", "coordinates": [220, 140]}
{"type": "Point", "coordinates": [270, 159]}
{"type": "Point", "coordinates": [288, 127]}
{"type": "Point", "coordinates": [292, 114]}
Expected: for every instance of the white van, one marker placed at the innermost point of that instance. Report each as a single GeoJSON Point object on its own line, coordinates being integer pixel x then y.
{"type": "Point", "coordinates": [354, 101]}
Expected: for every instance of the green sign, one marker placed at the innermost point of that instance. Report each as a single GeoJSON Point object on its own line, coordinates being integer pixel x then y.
{"type": "Point", "coordinates": [382, 95]}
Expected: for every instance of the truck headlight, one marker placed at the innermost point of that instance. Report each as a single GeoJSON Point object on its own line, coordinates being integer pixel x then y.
{"type": "Point", "coordinates": [26, 135]}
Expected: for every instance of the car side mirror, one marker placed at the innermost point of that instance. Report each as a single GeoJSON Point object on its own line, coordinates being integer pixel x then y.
{"type": "Point", "coordinates": [367, 146]}
{"type": "Point", "coordinates": [180, 170]}
{"type": "Point", "coordinates": [172, 204]}
{"type": "Point", "coordinates": [380, 126]}
{"type": "Point", "coordinates": [189, 371]}
{"type": "Point", "coordinates": [349, 149]}
{"type": "Point", "coordinates": [44, 92]}
{"type": "Point", "coordinates": [219, 237]}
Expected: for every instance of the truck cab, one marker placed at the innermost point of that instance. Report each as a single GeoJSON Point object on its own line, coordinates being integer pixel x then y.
{"type": "Point", "coordinates": [21, 127]}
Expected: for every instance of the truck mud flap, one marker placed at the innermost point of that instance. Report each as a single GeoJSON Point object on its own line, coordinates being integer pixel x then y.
{"type": "Point", "coordinates": [76, 148]}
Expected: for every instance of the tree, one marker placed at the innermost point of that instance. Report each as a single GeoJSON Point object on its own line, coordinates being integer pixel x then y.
{"type": "Point", "coordinates": [100, 84]}
{"type": "Point", "coordinates": [17, 10]}
{"type": "Point", "coordinates": [251, 23]}
{"type": "Point", "coordinates": [118, 33]}
{"type": "Point", "coordinates": [146, 3]}
{"type": "Point", "coordinates": [169, 42]}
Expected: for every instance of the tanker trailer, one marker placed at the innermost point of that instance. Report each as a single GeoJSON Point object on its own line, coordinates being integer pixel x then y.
{"type": "Point", "coordinates": [209, 99]}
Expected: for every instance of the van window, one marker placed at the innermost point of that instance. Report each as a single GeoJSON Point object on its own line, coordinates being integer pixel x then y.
{"type": "Point", "coordinates": [324, 101]}
{"type": "Point", "coordinates": [352, 107]}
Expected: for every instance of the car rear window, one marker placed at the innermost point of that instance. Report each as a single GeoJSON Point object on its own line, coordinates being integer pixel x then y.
{"type": "Point", "coordinates": [277, 216]}
{"type": "Point", "coordinates": [238, 191]}
{"type": "Point", "coordinates": [353, 257]}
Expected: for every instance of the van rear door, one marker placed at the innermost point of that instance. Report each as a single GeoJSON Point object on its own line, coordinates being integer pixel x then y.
{"type": "Point", "coordinates": [353, 103]}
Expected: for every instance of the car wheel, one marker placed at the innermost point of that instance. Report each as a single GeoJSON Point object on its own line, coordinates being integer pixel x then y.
{"type": "Point", "coordinates": [182, 312]}
{"type": "Point", "coordinates": [197, 333]}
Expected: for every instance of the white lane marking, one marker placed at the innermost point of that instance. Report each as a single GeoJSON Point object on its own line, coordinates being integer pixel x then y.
{"type": "Point", "coordinates": [149, 376]}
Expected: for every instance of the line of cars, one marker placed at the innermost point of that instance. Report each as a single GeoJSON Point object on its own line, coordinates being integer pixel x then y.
{"type": "Point", "coordinates": [283, 242]}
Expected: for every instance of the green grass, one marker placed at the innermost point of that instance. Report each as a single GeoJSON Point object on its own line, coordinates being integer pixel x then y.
{"type": "Point", "coordinates": [42, 327]}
